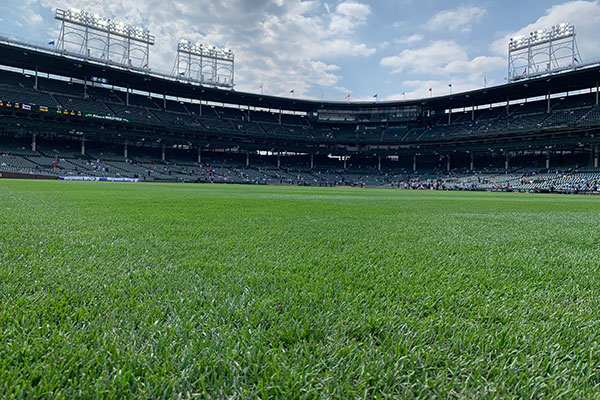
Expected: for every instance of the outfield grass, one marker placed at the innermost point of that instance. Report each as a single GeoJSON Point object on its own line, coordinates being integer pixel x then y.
{"type": "Point", "coordinates": [168, 290]}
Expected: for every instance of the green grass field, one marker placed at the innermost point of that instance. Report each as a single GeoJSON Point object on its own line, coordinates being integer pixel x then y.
{"type": "Point", "coordinates": [209, 291]}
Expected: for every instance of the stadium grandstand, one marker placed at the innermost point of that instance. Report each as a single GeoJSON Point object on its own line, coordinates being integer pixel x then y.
{"type": "Point", "coordinates": [239, 256]}
{"type": "Point", "coordinates": [71, 116]}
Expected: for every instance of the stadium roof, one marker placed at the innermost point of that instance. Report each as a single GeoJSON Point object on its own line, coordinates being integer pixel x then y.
{"type": "Point", "coordinates": [52, 62]}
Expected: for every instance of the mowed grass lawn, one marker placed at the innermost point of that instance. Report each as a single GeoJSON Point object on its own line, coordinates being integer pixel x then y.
{"type": "Point", "coordinates": [211, 291]}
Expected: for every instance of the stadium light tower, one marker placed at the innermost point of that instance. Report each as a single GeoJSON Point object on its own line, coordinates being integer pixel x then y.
{"type": "Point", "coordinates": [205, 64]}
{"type": "Point", "coordinates": [544, 51]}
{"type": "Point", "coordinates": [90, 36]}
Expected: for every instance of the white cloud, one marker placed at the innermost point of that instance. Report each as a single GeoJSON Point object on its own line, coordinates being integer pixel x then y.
{"type": "Point", "coordinates": [457, 20]}
{"type": "Point", "coordinates": [475, 65]}
{"type": "Point", "coordinates": [291, 44]}
{"type": "Point", "coordinates": [383, 45]}
{"type": "Point", "coordinates": [354, 10]}
{"type": "Point", "coordinates": [35, 18]}
{"type": "Point", "coordinates": [343, 89]}
{"type": "Point", "coordinates": [340, 47]}
{"type": "Point", "coordinates": [348, 16]}
{"type": "Point", "coordinates": [24, 12]}
{"type": "Point", "coordinates": [399, 24]}
{"type": "Point", "coordinates": [419, 89]}
{"type": "Point", "coordinates": [442, 57]}
{"type": "Point", "coordinates": [446, 62]}
{"type": "Point", "coordinates": [408, 40]}
{"type": "Point", "coordinates": [585, 15]}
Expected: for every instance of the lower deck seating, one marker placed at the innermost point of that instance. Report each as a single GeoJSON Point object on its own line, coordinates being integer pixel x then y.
{"type": "Point", "coordinates": [65, 159]}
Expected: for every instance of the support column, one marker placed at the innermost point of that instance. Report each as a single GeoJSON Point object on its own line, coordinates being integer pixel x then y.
{"type": "Point", "coordinates": [200, 108]}
{"type": "Point", "coordinates": [597, 89]}
{"type": "Point", "coordinates": [280, 116]}
{"type": "Point", "coordinates": [34, 142]}
{"type": "Point", "coordinates": [596, 156]}
{"type": "Point", "coordinates": [548, 160]}
{"type": "Point", "coordinates": [127, 96]}
{"type": "Point", "coordinates": [448, 163]}
{"type": "Point", "coordinates": [507, 105]}
{"type": "Point", "coordinates": [548, 108]}
{"type": "Point", "coordinates": [473, 113]}
{"type": "Point", "coordinates": [379, 163]}
{"type": "Point", "coordinates": [415, 163]}
{"type": "Point", "coordinates": [312, 159]}
{"type": "Point", "coordinates": [247, 159]}
{"type": "Point", "coordinates": [345, 162]}
{"type": "Point", "coordinates": [165, 100]}
{"type": "Point", "coordinates": [163, 152]}
{"type": "Point", "coordinates": [125, 153]}
{"type": "Point", "coordinates": [507, 162]}
{"type": "Point", "coordinates": [35, 85]}
{"type": "Point", "coordinates": [278, 160]}
{"type": "Point", "coordinates": [472, 162]}
{"type": "Point", "coordinates": [199, 155]}
{"type": "Point", "coordinates": [83, 146]}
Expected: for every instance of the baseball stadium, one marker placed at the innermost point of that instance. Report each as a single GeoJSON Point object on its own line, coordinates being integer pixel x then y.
{"type": "Point", "coordinates": [165, 235]}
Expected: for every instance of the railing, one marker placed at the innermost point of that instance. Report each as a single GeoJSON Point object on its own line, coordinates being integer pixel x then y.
{"type": "Point", "coordinates": [518, 77]}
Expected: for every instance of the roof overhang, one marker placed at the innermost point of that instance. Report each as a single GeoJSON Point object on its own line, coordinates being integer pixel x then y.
{"type": "Point", "coordinates": [57, 64]}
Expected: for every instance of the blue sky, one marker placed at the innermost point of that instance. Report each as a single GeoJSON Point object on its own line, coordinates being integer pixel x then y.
{"type": "Point", "coordinates": [332, 49]}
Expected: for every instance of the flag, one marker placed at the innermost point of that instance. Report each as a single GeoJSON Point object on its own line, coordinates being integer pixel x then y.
{"type": "Point", "coordinates": [145, 66]}
{"type": "Point", "coordinates": [51, 43]}
{"type": "Point", "coordinates": [375, 96]}
{"type": "Point", "coordinates": [449, 85]}
{"type": "Point", "coordinates": [576, 60]}
{"type": "Point", "coordinates": [524, 72]}
{"type": "Point", "coordinates": [261, 85]}
{"type": "Point", "coordinates": [431, 89]}
{"type": "Point", "coordinates": [348, 96]}
{"type": "Point", "coordinates": [181, 73]}
{"type": "Point", "coordinates": [293, 91]}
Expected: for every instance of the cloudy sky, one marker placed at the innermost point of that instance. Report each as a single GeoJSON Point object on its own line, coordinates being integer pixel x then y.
{"type": "Point", "coordinates": [334, 48]}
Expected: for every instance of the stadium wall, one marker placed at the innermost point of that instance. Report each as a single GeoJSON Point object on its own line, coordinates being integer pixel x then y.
{"type": "Point", "coordinates": [17, 175]}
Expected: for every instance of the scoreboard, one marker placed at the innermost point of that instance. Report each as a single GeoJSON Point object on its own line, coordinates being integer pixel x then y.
{"type": "Point", "coordinates": [59, 111]}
